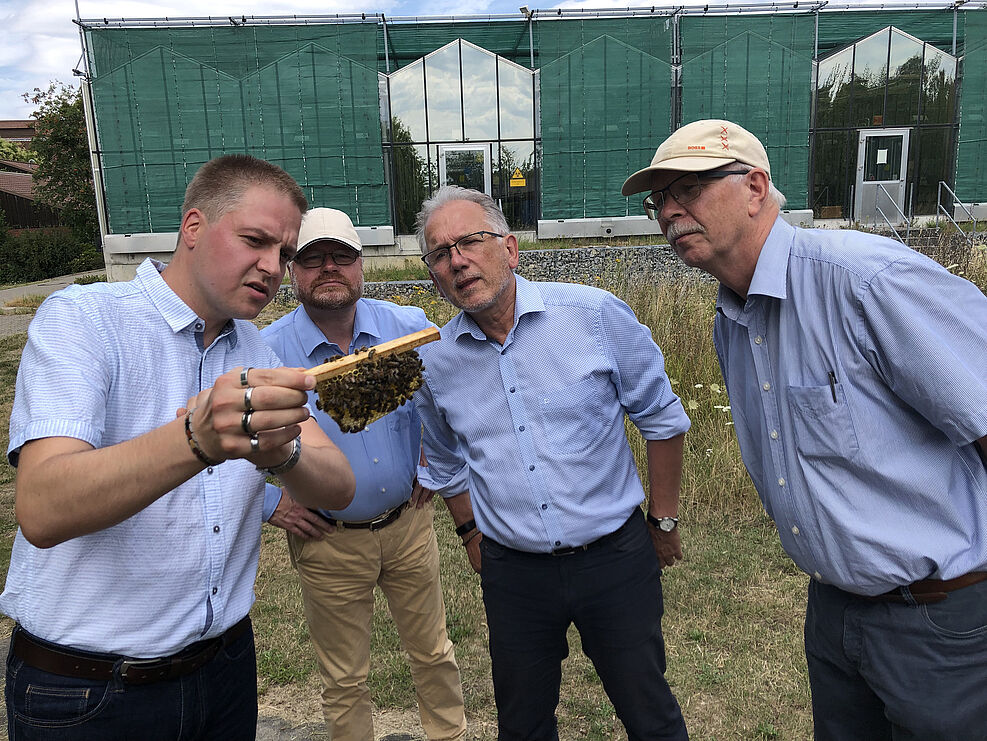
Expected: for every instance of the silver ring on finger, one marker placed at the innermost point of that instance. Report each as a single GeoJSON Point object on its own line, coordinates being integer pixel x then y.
{"type": "Point", "coordinates": [243, 377]}
{"type": "Point", "coordinates": [246, 399]}
{"type": "Point", "coordinates": [245, 422]}
{"type": "Point", "coordinates": [254, 444]}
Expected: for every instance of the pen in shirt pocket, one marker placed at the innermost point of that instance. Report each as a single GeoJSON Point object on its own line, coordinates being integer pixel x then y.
{"type": "Point", "coordinates": [832, 385]}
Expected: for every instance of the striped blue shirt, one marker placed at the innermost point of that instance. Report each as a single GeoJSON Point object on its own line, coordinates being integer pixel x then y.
{"type": "Point", "coordinates": [857, 374]}
{"type": "Point", "coordinates": [384, 456]}
{"type": "Point", "coordinates": [539, 420]}
{"type": "Point", "coordinates": [106, 363]}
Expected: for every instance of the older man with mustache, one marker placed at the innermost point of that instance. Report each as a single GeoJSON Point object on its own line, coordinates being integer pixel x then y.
{"type": "Point", "coordinates": [857, 373]}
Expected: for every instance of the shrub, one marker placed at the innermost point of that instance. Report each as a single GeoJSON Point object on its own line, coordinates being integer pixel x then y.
{"type": "Point", "coordinates": [37, 254]}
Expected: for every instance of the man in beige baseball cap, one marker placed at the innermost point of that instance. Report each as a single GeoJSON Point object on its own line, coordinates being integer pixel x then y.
{"type": "Point", "coordinates": [855, 369]}
{"type": "Point", "coordinates": [385, 537]}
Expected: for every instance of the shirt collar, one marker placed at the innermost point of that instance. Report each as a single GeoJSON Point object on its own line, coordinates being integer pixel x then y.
{"type": "Point", "coordinates": [527, 300]}
{"type": "Point", "coordinates": [770, 273]}
{"type": "Point", "coordinates": [311, 338]}
{"type": "Point", "coordinates": [173, 310]}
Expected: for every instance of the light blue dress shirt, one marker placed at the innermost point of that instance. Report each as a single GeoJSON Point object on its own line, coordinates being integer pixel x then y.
{"type": "Point", "coordinates": [857, 374]}
{"type": "Point", "coordinates": [106, 363]}
{"type": "Point", "coordinates": [539, 421]}
{"type": "Point", "coordinates": [384, 456]}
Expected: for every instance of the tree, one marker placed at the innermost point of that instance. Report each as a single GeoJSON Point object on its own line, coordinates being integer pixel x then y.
{"type": "Point", "coordinates": [64, 178]}
{"type": "Point", "coordinates": [14, 152]}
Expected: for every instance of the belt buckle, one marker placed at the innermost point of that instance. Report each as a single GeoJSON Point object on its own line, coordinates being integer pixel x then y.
{"type": "Point", "coordinates": [127, 664]}
{"type": "Point", "coordinates": [570, 550]}
{"type": "Point", "coordinates": [378, 522]}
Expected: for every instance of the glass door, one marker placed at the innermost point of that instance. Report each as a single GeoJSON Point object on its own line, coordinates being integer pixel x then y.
{"type": "Point", "coordinates": [466, 165]}
{"type": "Point", "coordinates": [882, 157]}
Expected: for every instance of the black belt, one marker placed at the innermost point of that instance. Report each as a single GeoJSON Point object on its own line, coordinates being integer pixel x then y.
{"type": "Point", "coordinates": [572, 550]}
{"type": "Point", "coordinates": [382, 520]}
{"type": "Point", "coordinates": [68, 662]}
{"type": "Point", "coordinates": [926, 591]}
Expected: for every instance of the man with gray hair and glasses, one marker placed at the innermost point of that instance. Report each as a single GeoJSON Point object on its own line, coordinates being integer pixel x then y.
{"type": "Point", "coordinates": [857, 374]}
{"type": "Point", "coordinates": [523, 405]}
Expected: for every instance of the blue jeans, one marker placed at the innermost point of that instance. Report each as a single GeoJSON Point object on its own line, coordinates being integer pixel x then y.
{"type": "Point", "coordinates": [882, 671]}
{"type": "Point", "coordinates": [612, 593]}
{"type": "Point", "coordinates": [219, 701]}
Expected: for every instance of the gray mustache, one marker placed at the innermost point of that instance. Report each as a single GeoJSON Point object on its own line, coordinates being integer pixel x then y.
{"type": "Point", "coordinates": [676, 230]}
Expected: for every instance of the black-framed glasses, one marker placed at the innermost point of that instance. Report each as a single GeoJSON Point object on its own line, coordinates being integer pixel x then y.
{"type": "Point", "coordinates": [440, 256]}
{"type": "Point", "coordinates": [340, 256]}
{"type": "Point", "coordinates": [683, 189]}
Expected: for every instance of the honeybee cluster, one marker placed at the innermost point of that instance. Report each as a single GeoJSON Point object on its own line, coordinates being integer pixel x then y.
{"type": "Point", "coordinates": [375, 387]}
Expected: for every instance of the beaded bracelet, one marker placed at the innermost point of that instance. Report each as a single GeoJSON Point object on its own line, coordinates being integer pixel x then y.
{"type": "Point", "coordinates": [193, 443]}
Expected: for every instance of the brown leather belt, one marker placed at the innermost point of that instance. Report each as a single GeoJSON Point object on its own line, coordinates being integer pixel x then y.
{"type": "Point", "coordinates": [67, 662]}
{"type": "Point", "coordinates": [376, 523]}
{"type": "Point", "coordinates": [926, 591]}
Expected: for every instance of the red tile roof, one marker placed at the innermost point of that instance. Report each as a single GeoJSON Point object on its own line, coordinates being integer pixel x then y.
{"type": "Point", "coordinates": [18, 184]}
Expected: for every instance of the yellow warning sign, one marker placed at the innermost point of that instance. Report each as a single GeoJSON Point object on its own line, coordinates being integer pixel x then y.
{"type": "Point", "coordinates": [517, 179]}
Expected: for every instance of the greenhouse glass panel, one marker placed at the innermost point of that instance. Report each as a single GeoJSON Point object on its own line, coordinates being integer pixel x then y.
{"type": "Point", "coordinates": [832, 157]}
{"type": "Point", "coordinates": [479, 93]}
{"type": "Point", "coordinates": [411, 183]}
{"type": "Point", "coordinates": [517, 116]}
{"type": "Point", "coordinates": [443, 95]}
{"type": "Point", "coordinates": [904, 80]}
{"type": "Point", "coordinates": [870, 76]}
{"type": "Point", "coordinates": [835, 75]}
{"type": "Point", "coordinates": [935, 163]}
{"type": "Point", "coordinates": [407, 94]}
{"type": "Point", "coordinates": [515, 183]}
{"type": "Point", "coordinates": [938, 87]}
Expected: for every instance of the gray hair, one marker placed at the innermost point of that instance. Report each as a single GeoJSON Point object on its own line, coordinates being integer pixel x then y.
{"type": "Point", "coordinates": [449, 193]}
{"type": "Point", "coordinates": [773, 193]}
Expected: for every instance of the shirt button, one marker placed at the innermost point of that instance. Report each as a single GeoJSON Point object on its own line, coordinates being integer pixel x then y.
{"type": "Point", "coordinates": [766, 386]}
{"type": "Point", "coordinates": [817, 576]}
{"type": "Point", "coordinates": [198, 326]}
{"type": "Point", "coordinates": [781, 482]}
{"type": "Point", "coordinates": [209, 470]}
{"type": "Point", "coordinates": [521, 428]}
{"type": "Point", "coordinates": [383, 490]}
{"type": "Point", "coordinates": [511, 389]}
{"type": "Point", "coordinates": [795, 530]}
{"type": "Point", "coordinates": [544, 506]}
{"type": "Point", "coordinates": [558, 542]}
{"type": "Point", "coordinates": [758, 340]}
{"type": "Point", "coordinates": [774, 434]}
{"type": "Point", "coordinates": [215, 589]}
{"type": "Point", "coordinates": [376, 460]}
{"type": "Point", "coordinates": [215, 528]}
{"type": "Point", "coordinates": [531, 468]}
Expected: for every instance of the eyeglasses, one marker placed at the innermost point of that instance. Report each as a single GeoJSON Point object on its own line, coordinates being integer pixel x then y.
{"type": "Point", "coordinates": [310, 259]}
{"type": "Point", "coordinates": [684, 189]}
{"type": "Point", "coordinates": [439, 257]}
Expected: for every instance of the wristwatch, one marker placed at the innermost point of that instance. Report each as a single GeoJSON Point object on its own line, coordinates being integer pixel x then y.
{"type": "Point", "coordinates": [665, 524]}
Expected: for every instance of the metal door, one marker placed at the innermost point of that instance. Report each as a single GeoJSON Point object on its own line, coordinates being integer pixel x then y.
{"type": "Point", "coordinates": [467, 166]}
{"type": "Point", "coordinates": [882, 159]}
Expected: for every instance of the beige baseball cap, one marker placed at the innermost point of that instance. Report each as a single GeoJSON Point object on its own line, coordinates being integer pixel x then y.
{"type": "Point", "coordinates": [329, 224]}
{"type": "Point", "coordinates": [700, 146]}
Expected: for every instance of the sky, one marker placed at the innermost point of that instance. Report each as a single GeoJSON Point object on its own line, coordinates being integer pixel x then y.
{"type": "Point", "coordinates": [39, 43]}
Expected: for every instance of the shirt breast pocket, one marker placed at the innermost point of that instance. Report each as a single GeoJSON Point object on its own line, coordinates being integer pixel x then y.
{"type": "Point", "coordinates": [572, 417]}
{"type": "Point", "coordinates": [823, 428]}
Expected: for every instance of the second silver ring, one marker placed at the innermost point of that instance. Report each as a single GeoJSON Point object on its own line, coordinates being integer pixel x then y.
{"type": "Point", "coordinates": [254, 444]}
{"type": "Point", "coordinates": [245, 422]}
{"type": "Point", "coordinates": [246, 399]}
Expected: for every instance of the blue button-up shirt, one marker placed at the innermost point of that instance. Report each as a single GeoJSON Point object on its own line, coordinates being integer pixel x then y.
{"type": "Point", "coordinates": [539, 421]}
{"type": "Point", "coordinates": [384, 456]}
{"type": "Point", "coordinates": [106, 363]}
{"type": "Point", "coordinates": [857, 374]}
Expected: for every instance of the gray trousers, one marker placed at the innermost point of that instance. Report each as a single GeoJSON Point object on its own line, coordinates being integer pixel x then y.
{"type": "Point", "coordinates": [882, 671]}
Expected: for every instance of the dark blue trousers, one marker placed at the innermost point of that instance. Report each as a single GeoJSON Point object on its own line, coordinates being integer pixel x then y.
{"type": "Point", "coordinates": [219, 701]}
{"type": "Point", "coordinates": [882, 671]}
{"type": "Point", "coordinates": [612, 593]}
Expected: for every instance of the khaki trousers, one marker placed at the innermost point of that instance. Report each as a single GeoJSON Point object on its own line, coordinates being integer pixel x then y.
{"type": "Point", "coordinates": [338, 575]}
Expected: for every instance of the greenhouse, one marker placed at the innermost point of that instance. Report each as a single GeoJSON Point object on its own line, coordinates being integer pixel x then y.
{"type": "Point", "coordinates": [865, 113]}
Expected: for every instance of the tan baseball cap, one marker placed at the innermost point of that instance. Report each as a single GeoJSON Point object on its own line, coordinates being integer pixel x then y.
{"type": "Point", "coordinates": [329, 224]}
{"type": "Point", "coordinates": [700, 146]}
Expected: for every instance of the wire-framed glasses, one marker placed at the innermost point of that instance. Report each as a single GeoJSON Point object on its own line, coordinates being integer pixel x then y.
{"type": "Point", "coordinates": [439, 258]}
{"type": "Point", "coordinates": [313, 258]}
{"type": "Point", "coordinates": [683, 189]}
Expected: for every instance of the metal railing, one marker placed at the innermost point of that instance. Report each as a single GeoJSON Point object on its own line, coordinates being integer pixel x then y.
{"type": "Point", "coordinates": [940, 209]}
{"type": "Point", "coordinates": [905, 219]}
